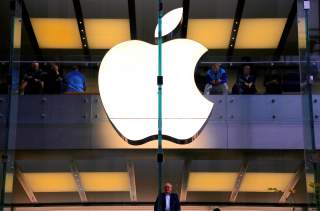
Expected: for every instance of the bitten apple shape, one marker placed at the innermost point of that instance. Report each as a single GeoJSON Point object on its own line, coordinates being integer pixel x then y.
{"type": "Point", "coordinates": [128, 89]}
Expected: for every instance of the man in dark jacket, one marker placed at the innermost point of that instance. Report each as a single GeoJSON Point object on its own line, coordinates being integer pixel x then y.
{"type": "Point", "coordinates": [167, 201]}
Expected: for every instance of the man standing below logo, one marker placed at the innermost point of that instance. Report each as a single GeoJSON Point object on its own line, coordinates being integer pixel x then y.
{"type": "Point", "coordinates": [167, 201]}
{"type": "Point", "coordinates": [216, 80]}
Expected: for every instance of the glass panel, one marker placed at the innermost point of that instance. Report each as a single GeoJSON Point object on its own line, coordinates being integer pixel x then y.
{"type": "Point", "coordinates": [241, 130]}
{"type": "Point", "coordinates": [309, 56]}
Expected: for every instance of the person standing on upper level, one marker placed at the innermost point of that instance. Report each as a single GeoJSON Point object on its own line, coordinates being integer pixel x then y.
{"type": "Point", "coordinates": [75, 81]}
{"type": "Point", "coordinates": [246, 81]}
{"type": "Point", "coordinates": [216, 80]}
{"type": "Point", "coordinates": [32, 82]}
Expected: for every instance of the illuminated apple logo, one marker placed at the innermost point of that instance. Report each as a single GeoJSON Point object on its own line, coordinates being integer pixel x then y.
{"type": "Point", "coordinates": [128, 88]}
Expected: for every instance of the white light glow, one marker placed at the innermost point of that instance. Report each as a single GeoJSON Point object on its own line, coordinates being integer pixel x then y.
{"type": "Point", "coordinates": [128, 89]}
{"type": "Point", "coordinates": [170, 21]}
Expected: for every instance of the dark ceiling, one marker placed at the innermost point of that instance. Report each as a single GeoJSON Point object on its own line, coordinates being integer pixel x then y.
{"type": "Point", "coordinates": [146, 17]}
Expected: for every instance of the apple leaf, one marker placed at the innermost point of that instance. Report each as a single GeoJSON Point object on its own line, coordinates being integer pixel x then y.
{"type": "Point", "coordinates": [170, 21]}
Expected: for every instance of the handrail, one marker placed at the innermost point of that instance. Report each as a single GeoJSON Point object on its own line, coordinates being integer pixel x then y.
{"type": "Point", "coordinates": [206, 62]}
{"type": "Point", "coordinates": [207, 203]}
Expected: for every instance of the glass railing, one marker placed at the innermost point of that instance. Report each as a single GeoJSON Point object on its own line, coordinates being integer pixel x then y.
{"type": "Point", "coordinates": [265, 77]}
{"type": "Point", "coordinates": [249, 152]}
{"type": "Point", "coordinates": [247, 134]}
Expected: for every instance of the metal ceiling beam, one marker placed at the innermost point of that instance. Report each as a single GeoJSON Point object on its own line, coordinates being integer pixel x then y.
{"type": "Point", "coordinates": [292, 184]}
{"type": "Point", "coordinates": [236, 187]}
{"type": "Point", "coordinates": [132, 19]}
{"type": "Point", "coordinates": [185, 18]}
{"type": "Point", "coordinates": [81, 26]}
{"type": "Point", "coordinates": [185, 180]}
{"type": "Point", "coordinates": [26, 22]}
{"type": "Point", "coordinates": [235, 27]}
{"type": "Point", "coordinates": [26, 187]}
{"type": "Point", "coordinates": [132, 180]}
{"type": "Point", "coordinates": [290, 21]}
{"type": "Point", "coordinates": [77, 179]}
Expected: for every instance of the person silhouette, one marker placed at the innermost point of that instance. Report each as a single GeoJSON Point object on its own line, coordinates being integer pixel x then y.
{"type": "Point", "coordinates": [167, 201]}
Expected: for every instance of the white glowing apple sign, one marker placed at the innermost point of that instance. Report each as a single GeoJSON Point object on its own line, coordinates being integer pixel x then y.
{"type": "Point", "coordinates": [128, 88]}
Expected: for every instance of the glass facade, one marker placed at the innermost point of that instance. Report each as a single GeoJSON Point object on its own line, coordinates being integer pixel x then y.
{"type": "Point", "coordinates": [62, 148]}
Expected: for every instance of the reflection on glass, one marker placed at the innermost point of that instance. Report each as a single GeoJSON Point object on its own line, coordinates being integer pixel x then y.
{"type": "Point", "coordinates": [255, 148]}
